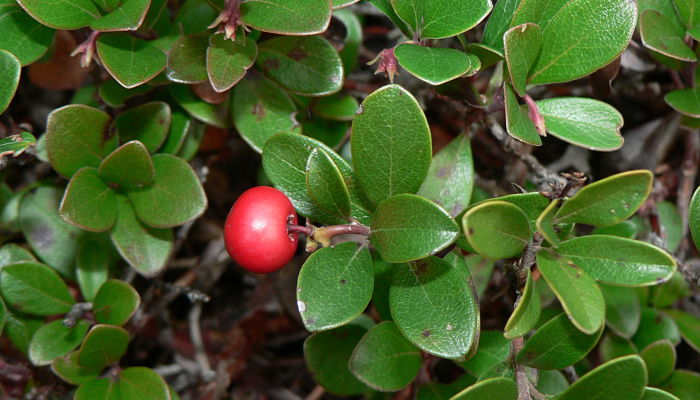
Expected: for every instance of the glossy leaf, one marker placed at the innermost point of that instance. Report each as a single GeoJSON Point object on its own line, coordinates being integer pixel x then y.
{"type": "Point", "coordinates": [142, 382]}
{"type": "Point", "coordinates": [103, 345]}
{"type": "Point", "coordinates": [187, 61]}
{"type": "Point", "coordinates": [518, 123]}
{"type": "Point", "coordinates": [577, 292]}
{"type": "Point", "coordinates": [407, 227]}
{"type": "Point", "coordinates": [384, 360]}
{"type": "Point", "coordinates": [689, 327]}
{"type": "Point", "coordinates": [500, 388]}
{"type": "Point", "coordinates": [391, 148]}
{"type": "Point", "coordinates": [10, 70]}
{"type": "Point", "coordinates": [131, 61]}
{"type": "Point", "coordinates": [492, 350]}
{"type": "Point", "coordinates": [16, 25]}
{"type": "Point", "coordinates": [148, 123]}
{"type": "Point", "coordinates": [660, 35]}
{"type": "Point", "coordinates": [55, 340]}
{"type": "Point", "coordinates": [287, 17]}
{"type": "Point", "coordinates": [655, 325]}
{"type": "Point", "coordinates": [340, 107]}
{"type": "Point", "coordinates": [619, 261]}
{"type": "Point", "coordinates": [337, 4]}
{"type": "Point", "coordinates": [496, 229]}
{"type": "Point", "coordinates": [115, 303]}
{"type": "Point", "coordinates": [308, 66]}
{"type": "Point", "coordinates": [581, 37]}
{"type": "Point", "coordinates": [78, 136]}
{"type": "Point", "coordinates": [434, 65]}
{"type": "Point", "coordinates": [499, 22]}
{"type": "Point", "coordinates": [622, 310]}
{"type": "Point", "coordinates": [39, 220]}
{"type": "Point", "coordinates": [284, 159]}
{"type": "Point", "coordinates": [67, 368]}
{"type": "Point", "coordinates": [433, 20]}
{"type": "Point", "coordinates": [130, 166]}
{"type": "Point", "coordinates": [433, 305]}
{"type": "Point", "coordinates": [545, 224]}
{"type": "Point", "coordinates": [228, 61]}
{"type": "Point", "coordinates": [622, 379]}
{"type": "Point", "coordinates": [92, 265]}
{"type": "Point", "coordinates": [128, 16]}
{"type": "Point", "coordinates": [261, 109]}
{"type": "Point", "coordinates": [180, 126]}
{"type": "Point", "coordinates": [327, 356]}
{"type": "Point", "coordinates": [660, 359]}
{"type": "Point", "coordinates": [557, 344]}
{"type": "Point", "coordinates": [451, 176]}
{"type": "Point", "coordinates": [683, 384]}
{"type": "Point", "coordinates": [526, 312]}
{"type": "Point", "coordinates": [88, 202]}
{"type": "Point", "coordinates": [607, 201]}
{"type": "Point", "coordinates": [325, 184]}
{"type": "Point", "coordinates": [66, 15]}
{"type": "Point", "coordinates": [522, 45]}
{"type": "Point", "coordinates": [651, 393]}
{"type": "Point", "coordinates": [334, 286]}
{"type": "Point", "coordinates": [685, 101]}
{"type": "Point", "coordinates": [352, 39]}
{"type": "Point", "coordinates": [175, 197]}
{"type": "Point", "coordinates": [198, 108]}
{"type": "Point", "coordinates": [35, 289]}
{"type": "Point", "coordinates": [116, 95]}
{"type": "Point", "coordinates": [671, 224]}
{"type": "Point", "coordinates": [146, 249]}
{"type": "Point", "coordinates": [583, 122]}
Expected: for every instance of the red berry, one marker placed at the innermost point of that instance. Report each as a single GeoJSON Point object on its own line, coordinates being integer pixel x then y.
{"type": "Point", "coordinates": [255, 233]}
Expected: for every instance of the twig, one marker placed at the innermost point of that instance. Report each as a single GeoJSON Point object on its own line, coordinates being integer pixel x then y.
{"type": "Point", "coordinates": [76, 313]}
{"type": "Point", "coordinates": [316, 394]}
{"type": "Point", "coordinates": [520, 374]}
{"type": "Point", "coordinates": [200, 354]}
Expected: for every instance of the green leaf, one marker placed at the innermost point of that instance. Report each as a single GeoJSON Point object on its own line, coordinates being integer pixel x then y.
{"type": "Point", "coordinates": [335, 285]}
{"type": "Point", "coordinates": [433, 20]}
{"type": "Point", "coordinates": [434, 65]}
{"type": "Point", "coordinates": [130, 166]}
{"type": "Point", "coordinates": [142, 383]}
{"type": "Point", "coordinates": [683, 384]}
{"type": "Point", "coordinates": [694, 217]}
{"type": "Point", "coordinates": [608, 201]}
{"type": "Point", "coordinates": [55, 340]}
{"type": "Point", "coordinates": [581, 37]}
{"type": "Point", "coordinates": [492, 350]}
{"type": "Point", "coordinates": [284, 159]}
{"type": "Point", "coordinates": [660, 35]}
{"type": "Point", "coordinates": [337, 4]}
{"type": "Point", "coordinates": [518, 122]}
{"type": "Point", "coordinates": [115, 303]}
{"type": "Point", "coordinates": [325, 184]}
{"type": "Point", "coordinates": [102, 388]}
{"type": "Point", "coordinates": [180, 126]}
{"type": "Point", "coordinates": [103, 345]}
{"type": "Point", "coordinates": [651, 393]}
{"type": "Point", "coordinates": [15, 145]}
{"type": "Point", "coordinates": [67, 368]}
{"type": "Point", "coordinates": [338, 107]}
{"type": "Point", "coordinates": [557, 344]}
{"type": "Point", "coordinates": [52, 239]}
{"type": "Point", "coordinates": [451, 176]}
{"type": "Point", "coordinates": [16, 26]}
{"type": "Point", "coordinates": [12, 253]}
{"type": "Point", "coordinates": [130, 61]}
{"type": "Point", "coordinates": [128, 16]}
{"type": "Point", "coordinates": [526, 312]}
{"type": "Point", "coordinates": [551, 382]}
{"type": "Point", "coordinates": [146, 249]}
{"type": "Point", "coordinates": [35, 289]}
{"type": "Point", "coordinates": [261, 109]}
{"type": "Point", "coordinates": [387, 9]}
{"type": "Point", "coordinates": [497, 229]}
{"type": "Point", "coordinates": [10, 70]}
{"type": "Point", "coordinates": [65, 15]}
{"type": "Point", "coordinates": [545, 224]}
{"type": "Point", "coordinates": [88, 202]}
{"type": "Point", "coordinates": [148, 123]}
{"type": "Point", "coordinates": [685, 101]}
{"type": "Point", "coordinates": [198, 108]}
{"type": "Point", "coordinates": [308, 66]}
{"type": "Point", "coordinates": [327, 356]}
{"type": "Point", "coordinates": [619, 261]}
{"type": "Point", "coordinates": [621, 379]}
{"type": "Point", "coordinates": [92, 266]}
{"type": "Point", "coordinates": [671, 223]}
{"type": "Point", "coordinates": [499, 22]}
{"type": "Point", "coordinates": [391, 148]}
{"type": "Point", "coordinates": [228, 60]}
{"type": "Point", "coordinates": [20, 328]}
{"type": "Point", "coordinates": [583, 122]}
{"type": "Point", "coordinates": [287, 17]}
{"type": "Point", "coordinates": [440, 391]}
{"type": "Point", "coordinates": [689, 327]}
{"type": "Point", "coordinates": [433, 305]}
{"type": "Point", "coordinates": [578, 293]}
{"type": "Point", "coordinates": [660, 359]}
{"type": "Point", "coordinates": [668, 293]}
{"type": "Point", "coordinates": [78, 136]}
{"type": "Point", "coordinates": [116, 95]}
{"type": "Point", "coordinates": [175, 197]}
{"type": "Point", "coordinates": [384, 360]}
{"type": "Point", "coordinates": [688, 13]}
{"type": "Point", "coordinates": [627, 229]}
{"type": "Point", "coordinates": [3, 314]}
{"type": "Point", "coordinates": [353, 37]}
{"type": "Point", "coordinates": [613, 346]}
{"type": "Point", "coordinates": [492, 388]}
{"type": "Point", "coordinates": [407, 227]}
{"type": "Point", "coordinates": [187, 60]}
{"type": "Point", "coordinates": [622, 310]}
{"type": "Point", "coordinates": [655, 325]}
{"type": "Point", "coordinates": [522, 44]}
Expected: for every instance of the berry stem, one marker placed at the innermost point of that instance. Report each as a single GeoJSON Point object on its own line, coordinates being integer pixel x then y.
{"type": "Point", "coordinates": [305, 230]}
{"type": "Point", "coordinates": [324, 234]}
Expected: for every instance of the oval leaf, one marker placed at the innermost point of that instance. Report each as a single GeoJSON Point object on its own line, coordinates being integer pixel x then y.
{"type": "Point", "coordinates": [526, 313]}
{"type": "Point", "coordinates": [660, 359]}
{"type": "Point", "coordinates": [55, 340]}
{"type": "Point", "coordinates": [434, 65]}
{"type": "Point", "coordinates": [433, 20]}
{"type": "Point", "coordinates": [66, 15]}
{"type": "Point", "coordinates": [684, 384]}
{"type": "Point", "coordinates": [128, 16]}
{"type": "Point", "coordinates": [492, 388]}
{"type": "Point", "coordinates": [391, 148]}
{"type": "Point", "coordinates": [685, 101]}
{"type": "Point", "coordinates": [688, 325]}
{"type": "Point", "coordinates": [67, 368]}
{"type": "Point", "coordinates": [287, 17]}
{"type": "Point", "coordinates": [623, 378]}
{"type": "Point", "coordinates": [187, 62]}
{"type": "Point", "coordinates": [103, 345]}
{"type": "Point", "coordinates": [228, 60]}
{"type": "Point", "coordinates": [89, 203]}
{"type": "Point", "coordinates": [15, 24]}
{"type": "Point", "coordinates": [522, 44]}
{"type": "Point", "coordinates": [130, 166]}
{"type": "Point", "coordinates": [142, 383]}
{"type": "Point", "coordinates": [130, 61]}
{"type": "Point", "coordinates": [148, 123]}
{"type": "Point", "coordinates": [10, 70]}
{"type": "Point", "coordinates": [518, 123]}
{"type": "Point", "coordinates": [407, 227]}
{"type": "Point", "coordinates": [497, 229]}
{"type": "Point", "coordinates": [622, 310]}
{"type": "Point", "coordinates": [115, 303]}
{"type": "Point", "coordinates": [659, 34]}
{"type": "Point", "coordinates": [655, 325]}
{"type": "Point", "coordinates": [35, 289]}
{"type": "Point", "coordinates": [325, 184]}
